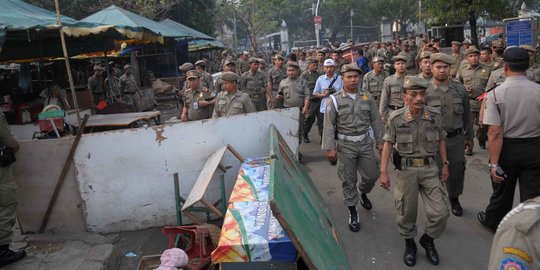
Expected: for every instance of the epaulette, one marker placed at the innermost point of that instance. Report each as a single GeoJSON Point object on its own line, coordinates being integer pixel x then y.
{"type": "Point", "coordinates": [524, 216]}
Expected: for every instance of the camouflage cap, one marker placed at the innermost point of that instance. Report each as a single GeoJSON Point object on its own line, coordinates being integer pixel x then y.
{"type": "Point", "coordinates": [456, 43]}
{"type": "Point", "coordinates": [193, 74]}
{"type": "Point", "coordinates": [230, 76]}
{"type": "Point", "coordinates": [350, 67]}
{"type": "Point", "coordinates": [528, 48]}
{"type": "Point", "coordinates": [230, 62]}
{"type": "Point", "coordinates": [443, 57]}
{"type": "Point", "coordinates": [186, 66]}
{"type": "Point", "coordinates": [471, 51]}
{"type": "Point", "coordinates": [400, 57]}
{"type": "Point", "coordinates": [415, 83]}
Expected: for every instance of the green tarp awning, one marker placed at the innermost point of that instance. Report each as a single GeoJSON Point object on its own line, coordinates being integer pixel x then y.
{"type": "Point", "coordinates": [192, 32]}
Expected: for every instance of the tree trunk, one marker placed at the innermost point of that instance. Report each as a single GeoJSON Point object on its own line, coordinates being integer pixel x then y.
{"type": "Point", "coordinates": [474, 33]}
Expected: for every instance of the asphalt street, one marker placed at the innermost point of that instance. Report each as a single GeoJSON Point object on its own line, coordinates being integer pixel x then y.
{"type": "Point", "coordinates": [464, 245]}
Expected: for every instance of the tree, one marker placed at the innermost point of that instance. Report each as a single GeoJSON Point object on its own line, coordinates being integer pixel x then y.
{"type": "Point", "coordinates": [401, 11]}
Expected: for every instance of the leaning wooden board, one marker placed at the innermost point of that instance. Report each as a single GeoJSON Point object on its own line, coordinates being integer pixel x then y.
{"type": "Point", "coordinates": [296, 202]}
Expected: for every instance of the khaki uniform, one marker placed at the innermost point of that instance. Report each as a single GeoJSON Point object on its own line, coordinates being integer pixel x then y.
{"type": "Point", "coordinates": [391, 96]}
{"type": "Point", "coordinates": [533, 73]}
{"type": "Point", "coordinates": [475, 80]}
{"type": "Point", "coordinates": [130, 91]}
{"type": "Point", "coordinates": [351, 120]}
{"type": "Point", "coordinates": [421, 75]}
{"type": "Point", "coordinates": [8, 196]}
{"type": "Point", "coordinates": [95, 84]}
{"type": "Point", "coordinates": [458, 58]}
{"type": "Point", "coordinates": [515, 245]}
{"type": "Point", "coordinates": [274, 77]}
{"type": "Point", "coordinates": [373, 83]}
{"type": "Point", "coordinates": [242, 66]}
{"type": "Point", "coordinates": [410, 62]}
{"type": "Point", "coordinates": [497, 63]}
{"type": "Point", "coordinates": [314, 104]}
{"type": "Point", "coordinates": [230, 104]}
{"type": "Point", "coordinates": [453, 103]}
{"type": "Point", "coordinates": [193, 96]}
{"type": "Point", "coordinates": [295, 92]}
{"type": "Point", "coordinates": [495, 78]}
{"type": "Point", "coordinates": [207, 80]}
{"type": "Point", "coordinates": [417, 141]}
{"type": "Point", "coordinates": [255, 86]}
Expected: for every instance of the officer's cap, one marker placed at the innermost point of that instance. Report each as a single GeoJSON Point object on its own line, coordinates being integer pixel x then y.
{"type": "Point", "coordinates": [471, 51]}
{"type": "Point", "coordinates": [400, 57]}
{"type": "Point", "coordinates": [261, 61]}
{"type": "Point", "coordinates": [230, 62]}
{"type": "Point", "coordinates": [254, 60]}
{"type": "Point", "coordinates": [377, 59]}
{"type": "Point", "coordinates": [313, 61]}
{"type": "Point", "coordinates": [425, 55]}
{"type": "Point", "coordinates": [456, 43]}
{"type": "Point", "coordinates": [466, 42]}
{"type": "Point", "coordinates": [279, 56]}
{"type": "Point", "coordinates": [200, 63]}
{"type": "Point", "coordinates": [350, 67]}
{"type": "Point", "coordinates": [497, 44]}
{"type": "Point", "coordinates": [230, 76]}
{"type": "Point", "coordinates": [443, 57]}
{"type": "Point", "coordinates": [193, 74]}
{"type": "Point", "coordinates": [515, 55]}
{"type": "Point", "coordinates": [528, 48]}
{"type": "Point", "coordinates": [186, 66]}
{"type": "Point", "coordinates": [293, 64]}
{"type": "Point", "coordinates": [415, 83]}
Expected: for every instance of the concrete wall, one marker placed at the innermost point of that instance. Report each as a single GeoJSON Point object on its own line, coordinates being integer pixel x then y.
{"type": "Point", "coordinates": [125, 177]}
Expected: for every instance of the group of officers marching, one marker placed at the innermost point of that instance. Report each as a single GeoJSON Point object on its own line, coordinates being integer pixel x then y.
{"type": "Point", "coordinates": [423, 123]}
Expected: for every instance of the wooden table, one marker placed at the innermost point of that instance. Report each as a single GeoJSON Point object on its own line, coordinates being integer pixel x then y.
{"type": "Point", "coordinates": [122, 119]}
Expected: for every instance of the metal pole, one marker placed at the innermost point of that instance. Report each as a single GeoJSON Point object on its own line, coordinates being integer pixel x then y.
{"type": "Point", "coordinates": [66, 59]}
{"type": "Point", "coordinates": [317, 37]}
{"type": "Point", "coordinates": [234, 25]}
{"type": "Point", "coordinates": [352, 13]}
{"type": "Point", "coordinates": [419, 15]}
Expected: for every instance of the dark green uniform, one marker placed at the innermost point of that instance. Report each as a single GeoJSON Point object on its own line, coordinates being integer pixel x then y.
{"type": "Point", "coordinates": [230, 104]}
{"type": "Point", "coordinates": [255, 86]}
{"type": "Point", "coordinates": [191, 101]}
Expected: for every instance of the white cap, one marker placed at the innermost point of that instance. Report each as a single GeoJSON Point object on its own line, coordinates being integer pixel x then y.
{"type": "Point", "coordinates": [329, 62]}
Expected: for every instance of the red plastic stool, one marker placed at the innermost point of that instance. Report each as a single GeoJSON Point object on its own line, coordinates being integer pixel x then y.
{"type": "Point", "coordinates": [195, 241]}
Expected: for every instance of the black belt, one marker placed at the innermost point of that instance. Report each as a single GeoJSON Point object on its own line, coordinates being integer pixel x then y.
{"type": "Point", "coordinates": [394, 107]}
{"type": "Point", "coordinates": [452, 134]}
{"type": "Point", "coordinates": [521, 140]}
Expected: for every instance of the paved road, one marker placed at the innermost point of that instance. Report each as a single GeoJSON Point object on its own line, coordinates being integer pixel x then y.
{"type": "Point", "coordinates": [464, 245]}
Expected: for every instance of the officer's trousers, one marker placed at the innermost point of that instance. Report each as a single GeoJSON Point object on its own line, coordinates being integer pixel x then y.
{"type": "Point", "coordinates": [424, 181]}
{"type": "Point", "coordinates": [314, 112]}
{"type": "Point", "coordinates": [519, 160]}
{"type": "Point", "coordinates": [456, 156]}
{"type": "Point", "coordinates": [354, 158]}
{"type": "Point", "coordinates": [8, 205]}
{"type": "Point", "coordinates": [481, 131]}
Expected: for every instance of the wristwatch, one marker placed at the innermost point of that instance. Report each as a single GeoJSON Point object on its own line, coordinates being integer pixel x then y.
{"type": "Point", "coordinates": [446, 162]}
{"type": "Point", "coordinates": [492, 165]}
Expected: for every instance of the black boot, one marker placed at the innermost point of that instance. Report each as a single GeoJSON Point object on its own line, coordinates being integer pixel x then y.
{"type": "Point", "coordinates": [457, 210]}
{"type": "Point", "coordinates": [365, 202]}
{"type": "Point", "coordinates": [429, 246]}
{"type": "Point", "coordinates": [8, 256]}
{"type": "Point", "coordinates": [354, 224]}
{"type": "Point", "coordinates": [410, 252]}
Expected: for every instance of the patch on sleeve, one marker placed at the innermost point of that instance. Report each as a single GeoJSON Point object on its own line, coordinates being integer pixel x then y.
{"type": "Point", "coordinates": [512, 264]}
{"type": "Point", "coordinates": [518, 252]}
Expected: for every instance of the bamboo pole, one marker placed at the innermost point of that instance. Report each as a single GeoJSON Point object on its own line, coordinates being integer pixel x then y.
{"type": "Point", "coordinates": [66, 59]}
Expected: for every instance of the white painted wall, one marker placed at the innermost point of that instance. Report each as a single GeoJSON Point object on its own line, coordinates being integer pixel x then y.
{"type": "Point", "coordinates": [126, 177]}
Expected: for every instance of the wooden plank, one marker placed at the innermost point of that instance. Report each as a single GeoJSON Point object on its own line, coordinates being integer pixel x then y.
{"type": "Point", "coordinates": [235, 153]}
{"type": "Point", "coordinates": [192, 217]}
{"type": "Point", "coordinates": [202, 182]}
{"type": "Point", "coordinates": [212, 207]}
{"type": "Point", "coordinates": [318, 244]}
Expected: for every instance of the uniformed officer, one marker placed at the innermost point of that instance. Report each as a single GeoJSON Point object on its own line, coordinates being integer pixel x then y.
{"type": "Point", "coordinates": [373, 81]}
{"type": "Point", "coordinates": [474, 75]}
{"type": "Point", "coordinates": [275, 76]}
{"type": "Point", "coordinates": [451, 98]}
{"type": "Point", "coordinates": [418, 135]}
{"type": "Point", "coordinates": [8, 198]}
{"type": "Point", "coordinates": [350, 113]}
{"type": "Point", "coordinates": [498, 49]}
{"type": "Point", "coordinates": [425, 66]}
{"type": "Point", "coordinates": [253, 83]}
{"type": "Point", "coordinates": [457, 56]}
{"type": "Point", "coordinates": [242, 64]}
{"type": "Point", "coordinates": [320, 59]}
{"type": "Point", "coordinates": [310, 76]}
{"type": "Point", "coordinates": [232, 101]}
{"type": "Point", "coordinates": [336, 56]}
{"type": "Point", "coordinates": [228, 66]}
{"type": "Point", "coordinates": [262, 67]}
{"type": "Point", "coordinates": [197, 99]}
{"type": "Point", "coordinates": [183, 85]}
{"type": "Point", "coordinates": [409, 56]}
{"type": "Point", "coordinates": [293, 91]}
{"type": "Point", "coordinates": [512, 114]}
{"type": "Point", "coordinates": [533, 72]}
{"type": "Point", "coordinates": [95, 85]}
{"type": "Point", "coordinates": [206, 78]}
{"type": "Point", "coordinates": [515, 245]}
{"type": "Point", "coordinates": [129, 89]}
{"type": "Point", "coordinates": [391, 96]}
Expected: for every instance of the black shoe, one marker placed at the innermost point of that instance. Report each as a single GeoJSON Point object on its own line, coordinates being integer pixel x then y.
{"type": "Point", "coordinates": [354, 225]}
{"type": "Point", "coordinates": [468, 152]}
{"type": "Point", "coordinates": [365, 202]}
{"type": "Point", "coordinates": [9, 256]}
{"type": "Point", "coordinates": [482, 218]}
{"type": "Point", "coordinates": [457, 210]}
{"type": "Point", "coordinates": [429, 246]}
{"type": "Point", "coordinates": [482, 145]}
{"type": "Point", "coordinates": [410, 252]}
{"type": "Point", "coordinates": [306, 139]}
